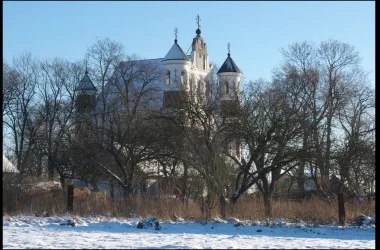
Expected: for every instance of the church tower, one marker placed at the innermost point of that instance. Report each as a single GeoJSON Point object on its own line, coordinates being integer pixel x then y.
{"type": "Point", "coordinates": [85, 105]}
{"type": "Point", "coordinates": [229, 76]}
{"type": "Point", "coordinates": [86, 95]}
{"type": "Point", "coordinates": [199, 56]}
{"type": "Point", "coordinates": [177, 67]}
{"type": "Point", "coordinates": [200, 66]}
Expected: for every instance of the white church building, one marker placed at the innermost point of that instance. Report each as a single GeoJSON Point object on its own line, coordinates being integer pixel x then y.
{"type": "Point", "coordinates": [181, 73]}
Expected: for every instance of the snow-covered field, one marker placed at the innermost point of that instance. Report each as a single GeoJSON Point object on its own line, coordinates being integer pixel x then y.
{"type": "Point", "coordinates": [101, 232]}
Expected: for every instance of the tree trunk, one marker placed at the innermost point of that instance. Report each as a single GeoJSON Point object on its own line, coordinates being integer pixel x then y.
{"type": "Point", "coordinates": [39, 166]}
{"type": "Point", "coordinates": [94, 183]}
{"type": "Point", "coordinates": [203, 212]}
{"type": "Point", "coordinates": [50, 168]}
{"type": "Point", "coordinates": [301, 170]}
{"type": "Point", "coordinates": [268, 204]}
{"type": "Point", "coordinates": [184, 184]}
{"type": "Point", "coordinates": [62, 180]}
{"type": "Point", "coordinates": [70, 197]}
{"type": "Point", "coordinates": [112, 191]}
{"type": "Point", "coordinates": [206, 207]}
{"type": "Point", "coordinates": [222, 205]}
{"type": "Point", "coordinates": [341, 209]}
{"type": "Point", "coordinates": [208, 212]}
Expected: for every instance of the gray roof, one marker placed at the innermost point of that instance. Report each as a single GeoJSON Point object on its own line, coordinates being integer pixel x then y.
{"type": "Point", "coordinates": [176, 53]}
{"type": "Point", "coordinates": [86, 83]}
{"type": "Point", "coordinates": [8, 167]}
{"type": "Point", "coordinates": [229, 66]}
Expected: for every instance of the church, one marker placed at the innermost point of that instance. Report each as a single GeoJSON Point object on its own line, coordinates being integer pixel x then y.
{"type": "Point", "coordinates": [176, 76]}
{"type": "Point", "coordinates": [183, 73]}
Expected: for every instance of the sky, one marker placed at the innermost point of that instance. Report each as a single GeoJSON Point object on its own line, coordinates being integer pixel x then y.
{"type": "Point", "coordinates": [256, 30]}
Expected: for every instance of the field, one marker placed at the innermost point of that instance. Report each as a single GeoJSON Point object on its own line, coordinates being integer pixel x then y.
{"type": "Point", "coordinates": [25, 231]}
{"type": "Point", "coordinates": [104, 223]}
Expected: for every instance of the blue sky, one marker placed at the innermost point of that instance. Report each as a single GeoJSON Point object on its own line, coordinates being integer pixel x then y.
{"type": "Point", "coordinates": [256, 30]}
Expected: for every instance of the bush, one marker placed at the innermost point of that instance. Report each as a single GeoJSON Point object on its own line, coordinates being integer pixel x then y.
{"type": "Point", "coordinates": [314, 210]}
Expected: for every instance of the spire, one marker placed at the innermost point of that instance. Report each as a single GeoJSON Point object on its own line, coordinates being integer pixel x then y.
{"type": "Point", "coordinates": [175, 34]}
{"type": "Point", "coordinates": [86, 72]}
{"type": "Point", "coordinates": [198, 31]}
{"type": "Point", "coordinates": [229, 65]}
{"type": "Point", "coordinates": [176, 52]}
{"type": "Point", "coordinates": [86, 84]}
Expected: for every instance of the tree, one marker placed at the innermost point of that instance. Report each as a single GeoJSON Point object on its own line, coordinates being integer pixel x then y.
{"type": "Point", "coordinates": [103, 58]}
{"type": "Point", "coordinates": [130, 135]}
{"type": "Point", "coordinates": [196, 139]}
{"type": "Point", "coordinates": [331, 83]}
{"type": "Point", "coordinates": [270, 132]}
{"type": "Point", "coordinates": [323, 73]}
{"type": "Point", "coordinates": [11, 81]}
{"type": "Point", "coordinates": [20, 106]}
{"type": "Point", "coordinates": [57, 94]}
{"type": "Point", "coordinates": [355, 156]}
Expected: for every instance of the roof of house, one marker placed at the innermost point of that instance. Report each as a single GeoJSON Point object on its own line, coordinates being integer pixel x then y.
{"type": "Point", "coordinates": [8, 167]}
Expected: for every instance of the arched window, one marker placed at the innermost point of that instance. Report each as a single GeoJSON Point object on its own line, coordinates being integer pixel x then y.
{"type": "Point", "coordinates": [168, 77]}
{"type": "Point", "coordinates": [226, 88]}
{"type": "Point", "coordinates": [183, 77]}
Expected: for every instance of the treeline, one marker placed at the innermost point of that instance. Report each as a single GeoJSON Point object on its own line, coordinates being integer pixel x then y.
{"type": "Point", "coordinates": [316, 115]}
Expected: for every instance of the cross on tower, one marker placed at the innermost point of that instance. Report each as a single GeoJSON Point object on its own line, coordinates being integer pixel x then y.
{"type": "Point", "coordinates": [198, 20]}
{"type": "Point", "coordinates": [175, 33]}
{"type": "Point", "coordinates": [86, 72]}
{"type": "Point", "coordinates": [228, 46]}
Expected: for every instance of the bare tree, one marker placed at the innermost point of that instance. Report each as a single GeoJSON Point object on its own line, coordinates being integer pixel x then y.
{"type": "Point", "coordinates": [11, 80]}
{"type": "Point", "coordinates": [270, 131]}
{"type": "Point", "coordinates": [130, 135]}
{"type": "Point", "coordinates": [103, 57]}
{"type": "Point", "coordinates": [197, 139]}
{"type": "Point", "coordinates": [19, 109]}
{"type": "Point", "coordinates": [355, 156]}
{"type": "Point", "coordinates": [333, 92]}
{"type": "Point", "coordinates": [56, 93]}
{"type": "Point", "coordinates": [323, 73]}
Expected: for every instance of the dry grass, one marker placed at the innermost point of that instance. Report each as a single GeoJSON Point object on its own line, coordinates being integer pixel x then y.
{"type": "Point", "coordinates": [252, 208]}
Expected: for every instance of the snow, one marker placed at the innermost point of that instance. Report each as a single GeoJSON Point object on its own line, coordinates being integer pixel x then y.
{"type": "Point", "coordinates": [25, 231]}
{"type": "Point", "coordinates": [47, 186]}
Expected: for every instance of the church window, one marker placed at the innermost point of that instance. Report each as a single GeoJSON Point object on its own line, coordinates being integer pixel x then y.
{"type": "Point", "coordinates": [226, 88]}
{"type": "Point", "coordinates": [183, 77]}
{"type": "Point", "coordinates": [168, 77]}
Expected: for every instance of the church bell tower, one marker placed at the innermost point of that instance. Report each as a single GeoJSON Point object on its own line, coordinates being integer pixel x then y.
{"type": "Point", "coordinates": [85, 95]}
{"type": "Point", "coordinates": [229, 76]}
